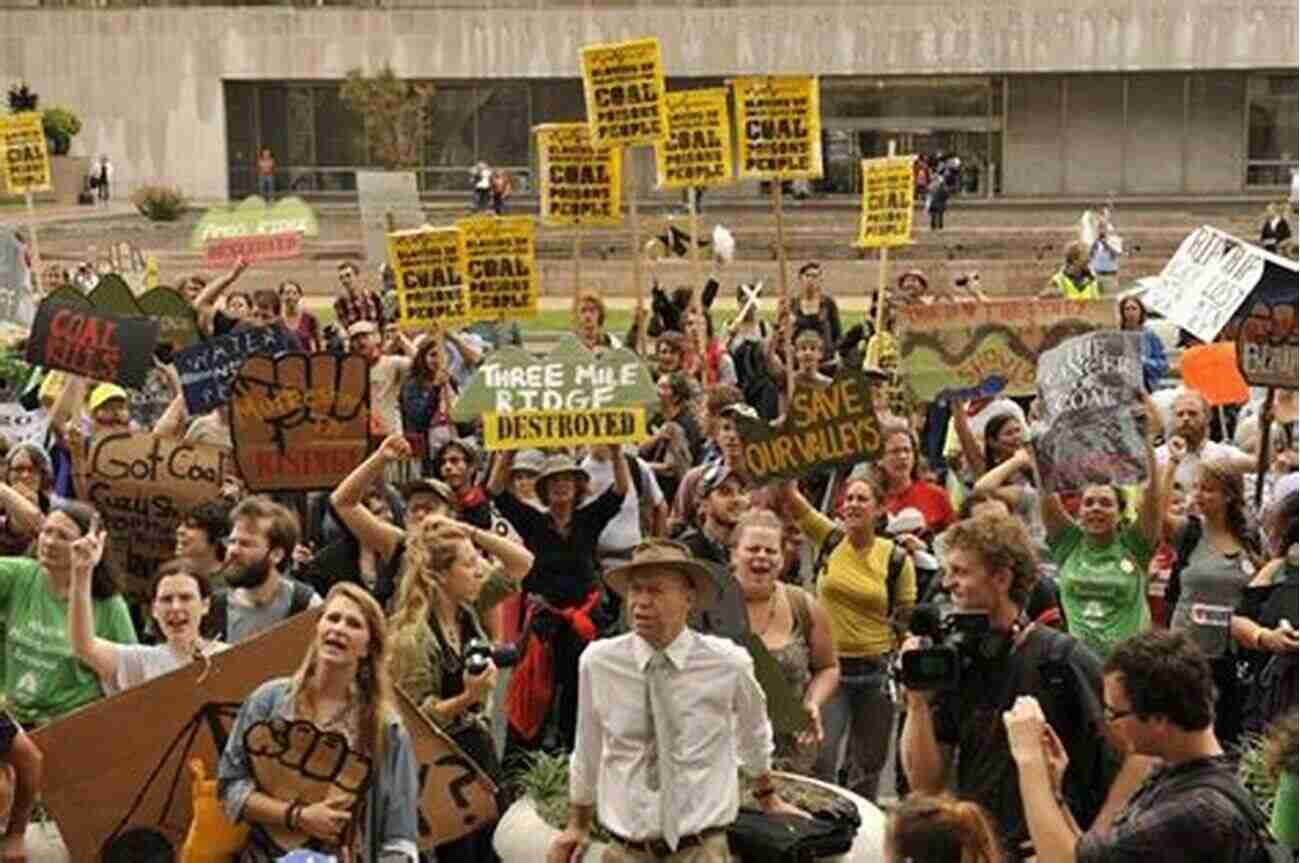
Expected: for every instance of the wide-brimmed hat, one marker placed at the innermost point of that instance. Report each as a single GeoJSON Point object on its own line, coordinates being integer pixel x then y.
{"type": "Point", "coordinates": [657, 555]}
{"type": "Point", "coordinates": [528, 461]}
{"type": "Point", "coordinates": [558, 465]}
{"type": "Point", "coordinates": [435, 487]}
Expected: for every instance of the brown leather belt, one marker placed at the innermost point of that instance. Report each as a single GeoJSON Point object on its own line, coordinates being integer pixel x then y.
{"type": "Point", "coordinates": [658, 847]}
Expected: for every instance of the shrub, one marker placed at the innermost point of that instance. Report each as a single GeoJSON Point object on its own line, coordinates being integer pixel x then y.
{"type": "Point", "coordinates": [159, 203]}
{"type": "Point", "coordinates": [21, 98]}
{"type": "Point", "coordinates": [61, 125]}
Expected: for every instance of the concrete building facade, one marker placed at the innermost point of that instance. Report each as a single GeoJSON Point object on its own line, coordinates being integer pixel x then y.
{"type": "Point", "coordinates": [1037, 97]}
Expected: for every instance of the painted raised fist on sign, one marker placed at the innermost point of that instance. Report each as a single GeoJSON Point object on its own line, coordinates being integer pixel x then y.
{"type": "Point", "coordinates": [297, 761]}
{"type": "Point", "coordinates": [300, 422]}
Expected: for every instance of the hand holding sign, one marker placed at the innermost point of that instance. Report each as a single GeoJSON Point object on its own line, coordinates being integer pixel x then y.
{"type": "Point", "coordinates": [300, 422]}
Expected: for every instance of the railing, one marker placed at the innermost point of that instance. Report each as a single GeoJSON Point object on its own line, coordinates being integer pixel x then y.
{"type": "Point", "coordinates": [322, 182]}
{"type": "Point", "coordinates": [1270, 172]}
{"type": "Point", "coordinates": [467, 5]}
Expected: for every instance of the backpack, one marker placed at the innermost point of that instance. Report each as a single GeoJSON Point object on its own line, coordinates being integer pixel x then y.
{"type": "Point", "coordinates": [215, 623]}
{"type": "Point", "coordinates": [897, 557]}
{"type": "Point", "coordinates": [1265, 848]}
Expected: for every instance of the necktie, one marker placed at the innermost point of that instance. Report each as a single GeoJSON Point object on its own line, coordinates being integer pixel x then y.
{"type": "Point", "coordinates": [663, 731]}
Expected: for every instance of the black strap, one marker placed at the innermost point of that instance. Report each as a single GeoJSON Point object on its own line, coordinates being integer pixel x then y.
{"type": "Point", "coordinates": [1188, 539]}
{"type": "Point", "coordinates": [1228, 786]}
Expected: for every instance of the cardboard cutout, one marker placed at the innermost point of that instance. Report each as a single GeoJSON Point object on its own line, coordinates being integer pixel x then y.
{"type": "Point", "coordinates": [300, 422]}
{"type": "Point", "coordinates": [580, 185]}
{"type": "Point", "coordinates": [568, 397]}
{"type": "Point", "coordinates": [624, 87]}
{"type": "Point", "coordinates": [824, 427]}
{"type": "Point", "coordinates": [208, 368]}
{"type": "Point", "coordinates": [252, 217]}
{"type": "Point", "coordinates": [778, 128]}
{"type": "Point", "coordinates": [143, 486]}
{"type": "Point", "coordinates": [968, 350]}
{"type": "Point", "coordinates": [98, 346]}
{"type": "Point", "coordinates": [697, 149]}
{"type": "Point", "coordinates": [26, 163]}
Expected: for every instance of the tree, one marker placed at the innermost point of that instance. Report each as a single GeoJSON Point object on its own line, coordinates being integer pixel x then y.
{"type": "Point", "coordinates": [397, 114]}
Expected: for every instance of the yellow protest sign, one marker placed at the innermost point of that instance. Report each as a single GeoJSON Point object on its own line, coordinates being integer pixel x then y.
{"type": "Point", "coordinates": [26, 158]}
{"type": "Point", "coordinates": [697, 150]}
{"type": "Point", "coordinates": [500, 266]}
{"type": "Point", "coordinates": [624, 86]}
{"type": "Point", "coordinates": [580, 184]}
{"type": "Point", "coordinates": [778, 127]}
{"type": "Point", "coordinates": [888, 195]}
{"type": "Point", "coordinates": [536, 429]}
{"type": "Point", "coordinates": [429, 272]}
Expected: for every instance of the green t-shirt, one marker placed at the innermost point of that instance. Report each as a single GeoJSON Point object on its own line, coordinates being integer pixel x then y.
{"type": "Point", "coordinates": [1285, 812]}
{"type": "Point", "coordinates": [42, 679]}
{"type": "Point", "coordinates": [1103, 588]}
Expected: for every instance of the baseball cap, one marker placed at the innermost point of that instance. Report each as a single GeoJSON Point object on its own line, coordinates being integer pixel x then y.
{"type": "Point", "coordinates": [104, 393]}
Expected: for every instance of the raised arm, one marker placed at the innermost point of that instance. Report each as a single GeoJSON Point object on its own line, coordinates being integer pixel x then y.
{"type": "Point", "coordinates": [622, 478]}
{"type": "Point", "coordinates": [25, 517]}
{"type": "Point", "coordinates": [970, 448]}
{"type": "Point", "coordinates": [499, 476]}
{"type": "Point", "coordinates": [515, 558]}
{"type": "Point", "coordinates": [994, 479]}
{"type": "Point", "coordinates": [174, 420]}
{"type": "Point", "coordinates": [97, 653]}
{"type": "Point", "coordinates": [371, 531]}
{"type": "Point", "coordinates": [205, 304]}
{"type": "Point", "coordinates": [69, 405]}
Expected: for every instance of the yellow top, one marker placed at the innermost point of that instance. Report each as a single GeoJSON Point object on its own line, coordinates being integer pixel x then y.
{"type": "Point", "coordinates": [853, 590]}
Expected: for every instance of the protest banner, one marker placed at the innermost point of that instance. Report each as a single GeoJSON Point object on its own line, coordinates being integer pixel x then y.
{"type": "Point", "coordinates": [1212, 370]}
{"type": "Point", "coordinates": [389, 201]}
{"type": "Point", "coordinates": [501, 266]}
{"type": "Point", "coordinates": [888, 200]}
{"type": "Point", "coordinates": [697, 149]}
{"type": "Point", "coordinates": [95, 345]}
{"type": "Point", "coordinates": [570, 396]}
{"type": "Point", "coordinates": [1096, 425]}
{"type": "Point", "coordinates": [254, 217]}
{"type": "Point", "coordinates": [17, 309]}
{"type": "Point", "coordinates": [1265, 330]}
{"type": "Point", "coordinates": [428, 269]}
{"type": "Point", "coordinates": [580, 185]}
{"type": "Point", "coordinates": [300, 422]}
{"type": "Point", "coordinates": [825, 427]}
{"type": "Point", "coordinates": [778, 128]}
{"type": "Point", "coordinates": [624, 87]}
{"type": "Point", "coordinates": [1205, 281]}
{"type": "Point", "coordinates": [222, 253]}
{"type": "Point", "coordinates": [143, 485]}
{"type": "Point", "coordinates": [208, 369]}
{"type": "Point", "coordinates": [26, 164]}
{"type": "Point", "coordinates": [968, 350]}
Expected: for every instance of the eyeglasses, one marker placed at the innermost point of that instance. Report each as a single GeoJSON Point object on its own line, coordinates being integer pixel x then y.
{"type": "Point", "coordinates": [1113, 715]}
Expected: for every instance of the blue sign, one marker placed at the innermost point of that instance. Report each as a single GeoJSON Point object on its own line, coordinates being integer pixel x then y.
{"type": "Point", "coordinates": [208, 369]}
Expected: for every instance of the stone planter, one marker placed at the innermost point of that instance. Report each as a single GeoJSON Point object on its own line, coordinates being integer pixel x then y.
{"type": "Point", "coordinates": [523, 837]}
{"type": "Point", "coordinates": [67, 174]}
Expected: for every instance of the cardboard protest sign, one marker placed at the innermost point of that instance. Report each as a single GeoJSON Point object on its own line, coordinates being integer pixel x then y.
{"type": "Point", "coordinates": [383, 195]}
{"type": "Point", "coordinates": [580, 185]}
{"type": "Point", "coordinates": [624, 86]}
{"type": "Point", "coordinates": [19, 425]}
{"type": "Point", "coordinates": [143, 485]}
{"type": "Point", "coordinates": [285, 245]}
{"type": "Point", "coordinates": [697, 149]}
{"type": "Point", "coordinates": [501, 265]}
{"type": "Point", "coordinates": [92, 344]}
{"type": "Point", "coordinates": [300, 422]}
{"type": "Point", "coordinates": [568, 397]}
{"type": "Point", "coordinates": [428, 268]}
{"type": "Point", "coordinates": [17, 309]}
{"type": "Point", "coordinates": [1212, 371]}
{"type": "Point", "coordinates": [888, 199]}
{"type": "Point", "coordinates": [208, 369]}
{"type": "Point", "coordinates": [26, 165]}
{"type": "Point", "coordinates": [825, 427]}
{"type": "Point", "coordinates": [1205, 281]}
{"type": "Point", "coordinates": [778, 128]}
{"type": "Point", "coordinates": [968, 350]}
{"type": "Point", "coordinates": [1265, 328]}
{"type": "Point", "coordinates": [1088, 390]}
{"type": "Point", "coordinates": [178, 325]}
{"type": "Point", "coordinates": [253, 217]}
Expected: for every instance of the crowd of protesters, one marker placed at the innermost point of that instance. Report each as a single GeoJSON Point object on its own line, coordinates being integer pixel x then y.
{"type": "Point", "coordinates": [1133, 635]}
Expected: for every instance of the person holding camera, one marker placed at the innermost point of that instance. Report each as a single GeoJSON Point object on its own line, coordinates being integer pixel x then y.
{"type": "Point", "coordinates": [441, 656]}
{"type": "Point", "coordinates": [990, 654]}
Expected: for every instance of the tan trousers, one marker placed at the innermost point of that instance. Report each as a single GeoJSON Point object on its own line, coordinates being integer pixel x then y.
{"type": "Point", "coordinates": [714, 850]}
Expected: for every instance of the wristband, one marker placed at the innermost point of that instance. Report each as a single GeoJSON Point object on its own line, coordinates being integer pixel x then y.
{"type": "Point", "coordinates": [291, 815]}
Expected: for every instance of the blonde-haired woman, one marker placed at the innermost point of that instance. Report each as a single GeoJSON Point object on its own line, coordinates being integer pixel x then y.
{"type": "Point", "coordinates": [363, 805]}
{"type": "Point", "coordinates": [446, 586]}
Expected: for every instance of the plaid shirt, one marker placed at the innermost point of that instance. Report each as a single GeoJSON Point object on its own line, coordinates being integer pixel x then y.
{"type": "Point", "coordinates": [1185, 825]}
{"type": "Point", "coordinates": [366, 307]}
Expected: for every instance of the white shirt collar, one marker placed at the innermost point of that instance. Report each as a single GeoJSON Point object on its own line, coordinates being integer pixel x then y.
{"type": "Point", "coordinates": [676, 652]}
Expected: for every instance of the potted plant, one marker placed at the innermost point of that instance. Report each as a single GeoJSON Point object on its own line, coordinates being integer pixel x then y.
{"type": "Point", "coordinates": [61, 125]}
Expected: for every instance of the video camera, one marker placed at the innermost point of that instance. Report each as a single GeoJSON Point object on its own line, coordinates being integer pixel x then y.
{"type": "Point", "coordinates": [961, 640]}
{"type": "Point", "coordinates": [478, 653]}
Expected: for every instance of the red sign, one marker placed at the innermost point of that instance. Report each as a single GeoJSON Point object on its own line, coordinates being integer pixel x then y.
{"type": "Point", "coordinates": [258, 247]}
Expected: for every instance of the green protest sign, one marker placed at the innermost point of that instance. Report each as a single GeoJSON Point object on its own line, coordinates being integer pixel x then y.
{"type": "Point", "coordinates": [570, 396]}
{"type": "Point", "coordinates": [252, 217]}
{"type": "Point", "coordinates": [179, 323]}
{"type": "Point", "coordinates": [825, 426]}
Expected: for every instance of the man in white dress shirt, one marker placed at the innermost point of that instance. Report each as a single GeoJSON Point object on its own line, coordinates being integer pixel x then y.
{"type": "Point", "coordinates": [664, 714]}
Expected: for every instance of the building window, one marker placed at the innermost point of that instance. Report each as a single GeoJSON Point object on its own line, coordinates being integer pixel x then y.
{"type": "Point", "coordinates": [1271, 103]}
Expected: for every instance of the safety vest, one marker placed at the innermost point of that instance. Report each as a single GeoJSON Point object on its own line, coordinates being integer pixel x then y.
{"type": "Point", "coordinates": [1088, 290]}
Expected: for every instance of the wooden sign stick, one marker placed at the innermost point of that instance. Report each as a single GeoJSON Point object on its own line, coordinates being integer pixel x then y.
{"type": "Point", "coordinates": [1265, 422]}
{"type": "Point", "coordinates": [883, 277]}
{"type": "Point", "coordinates": [783, 287]}
{"type": "Point", "coordinates": [635, 218]}
{"type": "Point", "coordinates": [702, 338]}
